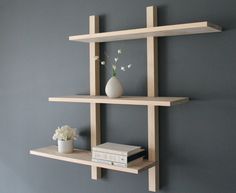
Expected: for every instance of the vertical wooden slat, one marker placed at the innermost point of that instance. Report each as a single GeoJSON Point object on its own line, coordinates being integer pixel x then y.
{"type": "Point", "coordinates": [152, 65]}
{"type": "Point", "coordinates": [94, 90]}
{"type": "Point", "coordinates": [152, 86]}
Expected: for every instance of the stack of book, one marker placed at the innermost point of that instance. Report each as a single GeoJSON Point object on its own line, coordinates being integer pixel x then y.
{"type": "Point", "coordinates": [118, 154]}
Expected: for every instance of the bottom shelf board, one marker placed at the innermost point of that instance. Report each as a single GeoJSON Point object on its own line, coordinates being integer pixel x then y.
{"type": "Point", "coordinates": [85, 157]}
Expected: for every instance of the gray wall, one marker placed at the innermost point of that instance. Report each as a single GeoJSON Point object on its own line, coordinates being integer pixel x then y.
{"type": "Point", "coordinates": [197, 140]}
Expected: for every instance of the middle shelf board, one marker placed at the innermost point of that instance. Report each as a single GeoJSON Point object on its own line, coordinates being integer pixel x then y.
{"type": "Point", "coordinates": [85, 158]}
{"type": "Point", "coordinates": [159, 31]}
{"type": "Point", "coordinates": [124, 100]}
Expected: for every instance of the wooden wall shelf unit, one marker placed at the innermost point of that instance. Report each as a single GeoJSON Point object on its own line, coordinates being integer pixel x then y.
{"type": "Point", "coordinates": [152, 100]}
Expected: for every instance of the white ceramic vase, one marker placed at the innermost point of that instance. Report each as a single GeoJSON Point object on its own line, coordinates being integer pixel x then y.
{"type": "Point", "coordinates": [65, 146]}
{"type": "Point", "coordinates": [114, 88]}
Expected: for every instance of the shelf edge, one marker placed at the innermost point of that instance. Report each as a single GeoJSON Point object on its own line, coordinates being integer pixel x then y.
{"type": "Point", "coordinates": [139, 33]}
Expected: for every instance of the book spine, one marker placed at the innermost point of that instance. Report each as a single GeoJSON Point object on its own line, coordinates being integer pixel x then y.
{"type": "Point", "coordinates": [102, 161]}
{"type": "Point", "coordinates": [109, 157]}
{"type": "Point", "coordinates": [120, 164]}
{"type": "Point", "coordinates": [135, 162]}
{"type": "Point", "coordinates": [132, 163]}
{"type": "Point", "coordinates": [117, 158]}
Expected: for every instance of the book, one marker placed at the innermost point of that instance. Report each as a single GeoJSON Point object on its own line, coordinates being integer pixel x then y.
{"type": "Point", "coordinates": [102, 161]}
{"type": "Point", "coordinates": [129, 164]}
{"type": "Point", "coordinates": [115, 148]}
{"type": "Point", "coordinates": [117, 157]}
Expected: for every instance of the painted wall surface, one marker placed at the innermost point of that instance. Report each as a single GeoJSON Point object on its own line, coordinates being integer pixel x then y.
{"type": "Point", "coordinates": [197, 140]}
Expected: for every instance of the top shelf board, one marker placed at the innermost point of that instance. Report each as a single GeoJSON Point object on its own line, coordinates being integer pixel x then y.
{"type": "Point", "coordinates": [159, 31]}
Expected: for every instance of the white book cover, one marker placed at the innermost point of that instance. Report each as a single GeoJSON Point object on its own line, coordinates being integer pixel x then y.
{"type": "Point", "coordinates": [115, 148]}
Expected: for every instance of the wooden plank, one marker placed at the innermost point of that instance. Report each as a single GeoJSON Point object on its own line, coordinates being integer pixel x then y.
{"type": "Point", "coordinates": [152, 86]}
{"type": "Point", "coordinates": [85, 158]}
{"type": "Point", "coordinates": [124, 100]}
{"type": "Point", "coordinates": [93, 53]}
{"type": "Point", "coordinates": [159, 31]}
{"type": "Point", "coordinates": [153, 148]}
{"type": "Point", "coordinates": [78, 156]}
{"type": "Point", "coordinates": [152, 54]}
{"type": "Point", "coordinates": [94, 90]}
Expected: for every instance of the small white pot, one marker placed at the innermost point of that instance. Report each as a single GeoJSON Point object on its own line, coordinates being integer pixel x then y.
{"type": "Point", "coordinates": [65, 146]}
{"type": "Point", "coordinates": [114, 88]}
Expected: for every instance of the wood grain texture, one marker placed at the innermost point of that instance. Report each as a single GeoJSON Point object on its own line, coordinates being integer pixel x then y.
{"type": "Point", "coordinates": [153, 148]}
{"type": "Point", "coordinates": [94, 90]}
{"type": "Point", "coordinates": [159, 31]}
{"type": "Point", "coordinates": [152, 86]}
{"type": "Point", "coordinates": [85, 158]}
{"type": "Point", "coordinates": [94, 52]}
{"type": "Point", "coordinates": [152, 69]}
{"type": "Point", "coordinates": [124, 100]}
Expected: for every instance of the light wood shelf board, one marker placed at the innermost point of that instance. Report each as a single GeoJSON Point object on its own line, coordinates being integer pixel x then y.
{"type": "Point", "coordinates": [125, 100]}
{"type": "Point", "coordinates": [78, 156]}
{"type": "Point", "coordinates": [85, 158]}
{"type": "Point", "coordinates": [159, 31]}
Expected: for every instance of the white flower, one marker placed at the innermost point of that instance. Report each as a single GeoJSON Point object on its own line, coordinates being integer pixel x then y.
{"type": "Point", "coordinates": [122, 68]}
{"type": "Point", "coordinates": [65, 133]}
{"type": "Point", "coordinates": [114, 67]}
{"type": "Point", "coordinates": [103, 62]}
{"type": "Point", "coordinates": [119, 51]}
{"type": "Point", "coordinates": [116, 59]}
{"type": "Point", "coordinates": [129, 65]}
{"type": "Point", "coordinates": [96, 57]}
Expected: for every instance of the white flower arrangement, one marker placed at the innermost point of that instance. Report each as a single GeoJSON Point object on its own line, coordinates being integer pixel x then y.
{"type": "Point", "coordinates": [114, 63]}
{"type": "Point", "coordinates": [65, 133]}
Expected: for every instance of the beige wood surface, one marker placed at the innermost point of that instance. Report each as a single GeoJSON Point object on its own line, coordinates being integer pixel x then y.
{"type": "Point", "coordinates": [94, 90]}
{"type": "Point", "coordinates": [160, 31]}
{"type": "Point", "coordinates": [153, 148]}
{"type": "Point", "coordinates": [85, 158]}
{"type": "Point", "coordinates": [124, 100]}
{"type": "Point", "coordinates": [152, 86]}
